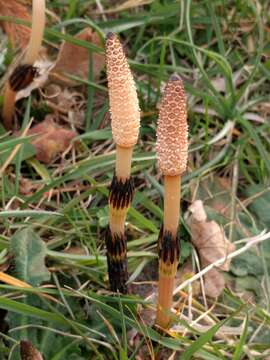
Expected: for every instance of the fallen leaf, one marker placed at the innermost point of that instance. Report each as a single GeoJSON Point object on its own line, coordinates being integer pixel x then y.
{"type": "Point", "coordinates": [214, 283]}
{"type": "Point", "coordinates": [74, 59]}
{"type": "Point", "coordinates": [211, 243]}
{"type": "Point", "coordinates": [19, 35]}
{"type": "Point", "coordinates": [186, 272]}
{"type": "Point", "coordinates": [29, 352]}
{"type": "Point", "coordinates": [51, 141]}
{"type": "Point", "coordinates": [27, 187]}
{"type": "Point", "coordinates": [208, 237]}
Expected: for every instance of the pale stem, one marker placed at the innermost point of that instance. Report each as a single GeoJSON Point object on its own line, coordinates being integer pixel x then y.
{"type": "Point", "coordinates": [123, 162]}
{"type": "Point", "coordinates": [117, 219]}
{"type": "Point", "coordinates": [8, 107]}
{"type": "Point", "coordinates": [164, 303]}
{"type": "Point", "coordinates": [38, 25]}
{"type": "Point", "coordinates": [172, 197]}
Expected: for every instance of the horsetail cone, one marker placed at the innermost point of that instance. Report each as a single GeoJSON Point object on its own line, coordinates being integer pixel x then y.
{"type": "Point", "coordinates": [172, 152]}
{"type": "Point", "coordinates": [124, 105]}
{"type": "Point", "coordinates": [172, 131]}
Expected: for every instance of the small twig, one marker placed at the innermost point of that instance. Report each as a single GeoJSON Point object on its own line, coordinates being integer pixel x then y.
{"type": "Point", "coordinates": [235, 178]}
{"type": "Point", "coordinates": [101, 10]}
{"type": "Point", "coordinates": [222, 333]}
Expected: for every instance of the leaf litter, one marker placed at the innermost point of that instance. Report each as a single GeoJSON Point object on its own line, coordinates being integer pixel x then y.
{"type": "Point", "coordinates": [210, 241]}
{"type": "Point", "coordinates": [18, 35]}
{"type": "Point", "coordinates": [74, 60]}
{"type": "Point", "coordinates": [51, 139]}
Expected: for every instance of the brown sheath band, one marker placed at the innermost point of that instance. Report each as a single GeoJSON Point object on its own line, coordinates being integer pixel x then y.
{"type": "Point", "coordinates": [22, 76]}
{"type": "Point", "coordinates": [168, 247]}
{"type": "Point", "coordinates": [121, 193]}
{"type": "Point", "coordinates": [117, 261]}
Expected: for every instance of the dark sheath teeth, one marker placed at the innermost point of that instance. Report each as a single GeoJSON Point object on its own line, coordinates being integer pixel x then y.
{"type": "Point", "coordinates": [168, 247]}
{"type": "Point", "coordinates": [121, 193]}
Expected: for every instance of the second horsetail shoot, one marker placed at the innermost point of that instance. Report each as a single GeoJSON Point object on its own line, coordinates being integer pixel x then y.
{"type": "Point", "coordinates": [172, 151]}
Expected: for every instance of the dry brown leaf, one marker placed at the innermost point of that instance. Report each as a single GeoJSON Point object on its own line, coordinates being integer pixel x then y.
{"type": "Point", "coordinates": [29, 352]}
{"type": "Point", "coordinates": [27, 187]}
{"type": "Point", "coordinates": [208, 237]}
{"type": "Point", "coordinates": [211, 243]}
{"type": "Point", "coordinates": [51, 141]}
{"type": "Point", "coordinates": [19, 35]}
{"type": "Point", "coordinates": [74, 60]}
{"type": "Point", "coordinates": [214, 283]}
{"type": "Point", "coordinates": [186, 272]}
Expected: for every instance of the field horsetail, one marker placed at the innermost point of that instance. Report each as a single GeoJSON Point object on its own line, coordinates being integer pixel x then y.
{"type": "Point", "coordinates": [125, 122]}
{"type": "Point", "coordinates": [172, 151]}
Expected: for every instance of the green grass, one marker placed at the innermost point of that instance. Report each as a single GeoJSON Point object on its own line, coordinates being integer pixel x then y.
{"type": "Point", "coordinates": [220, 49]}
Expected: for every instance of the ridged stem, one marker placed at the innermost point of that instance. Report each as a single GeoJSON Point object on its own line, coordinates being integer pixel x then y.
{"type": "Point", "coordinates": [121, 194]}
{"type": "Point", "coordinates": [8, 107]}
{"type": "Point", "coordinates": [164, 303]}
{"type": "Point", "coordinates": [168, 249]}
{"type": "Point", "coordinates": [37, 30]}
{"type": "Point", "coordinates": [172, 195]}
{"type": "Point", "coordinates": [123, 162]}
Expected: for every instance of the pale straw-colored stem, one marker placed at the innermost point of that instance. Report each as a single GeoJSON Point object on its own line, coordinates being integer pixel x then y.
{"type": "Point", "coordinates": [38, 25]}
{"type": "Point", "coordinates": [117, 220]}
{"type": "Point", "coordinates": [123, 162]}
{"type": "Point", "coordinates": [8, 107]}
{"type": "Point", "coordinates": [164, 303]}
{"type": "Point", "coordinates": [167, 271]}
{"type": "Point", "coordinates": [172, 196]}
